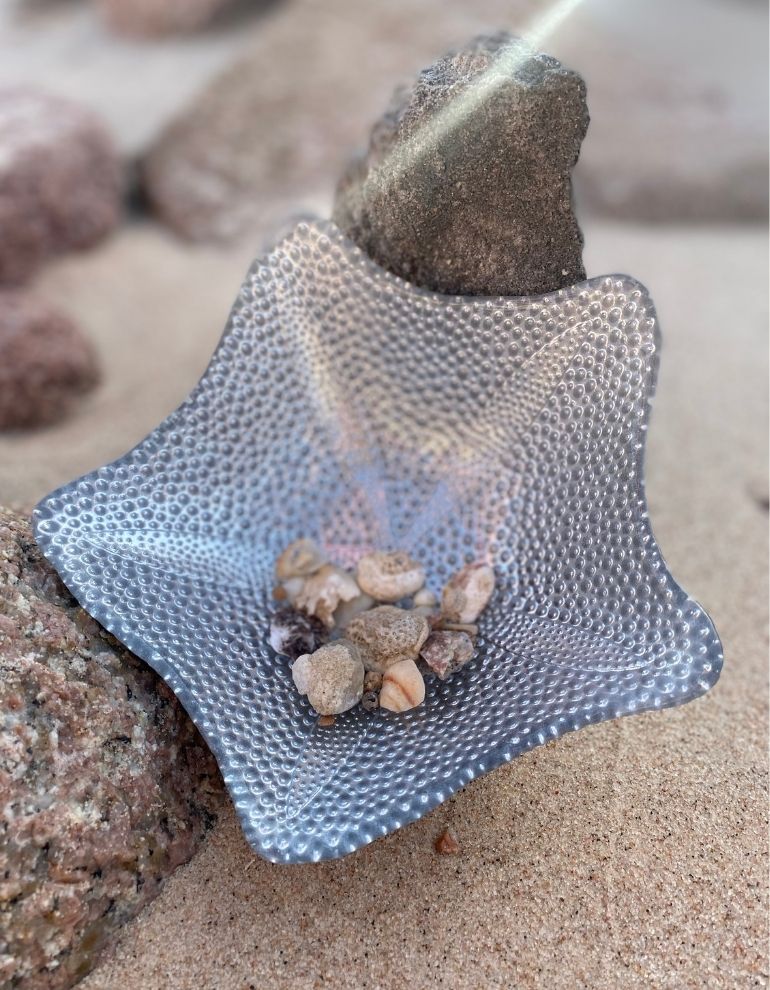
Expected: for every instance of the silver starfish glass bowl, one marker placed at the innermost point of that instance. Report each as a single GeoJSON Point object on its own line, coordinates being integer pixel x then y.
{"type": "Point", "coordinates": [346, 405]}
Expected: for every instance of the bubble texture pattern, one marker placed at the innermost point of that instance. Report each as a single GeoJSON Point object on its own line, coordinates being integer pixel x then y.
{"type": "Point", "coordinates": [346, 405]}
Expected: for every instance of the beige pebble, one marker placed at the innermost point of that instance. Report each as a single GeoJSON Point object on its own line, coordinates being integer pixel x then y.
{"type": "Point", "coordinates": [387, 635]}
{"type": "Point", "coordinates": [445, 652]}
{"type": "Point", "coordinates": [347, 611]}
{"type": "Point", "coordinates": [300, 559]}
{"type": "Point", "coordinates": [402, 687]}
{"type": "Point", "coordinates": [424, 598]}
{"type": "Point", "coordinates": [323, 592]}
{"type": "Point", "coordinates": [467, 593]}
{"type": "Point", "coordinates": [388, 576]}
{"type": "Point", "coordinates": [332, 677]}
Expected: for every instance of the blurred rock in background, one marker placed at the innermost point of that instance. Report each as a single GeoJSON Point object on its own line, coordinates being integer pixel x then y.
{"type": "Point", "coordinates": [155, 18]}
{"type": "Point", "coordinates": [60, 180]}
{"type": "Point", "coordinates": [45, 361]}
{"type": "Point", "coordinates": [106, 785]}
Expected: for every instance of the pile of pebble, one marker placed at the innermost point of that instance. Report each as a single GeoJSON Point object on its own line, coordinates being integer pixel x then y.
{"type": "Point", "coordinates": [350, 642]}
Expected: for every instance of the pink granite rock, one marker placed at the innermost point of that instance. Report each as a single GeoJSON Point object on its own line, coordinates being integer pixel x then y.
{"type": "Point", "coordinates": [153, 18]}
{"type": "Point", "coordinates": [45, 362]}
{"type": "Point", "coordinates": [60, 180]}
{"type": "Point", "coordinates": [105, 785]}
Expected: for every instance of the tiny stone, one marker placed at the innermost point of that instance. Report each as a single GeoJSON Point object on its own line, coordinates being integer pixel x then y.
{"type": "Point", "coordinates": [279, 593]}
{"type": "Point", "coordinates": [293, 633]}
{"type": "Point", "coordinates": [467, 627]}
{"type": "Point", "coordinates": [389, 576]}
{"type": "Point", "coordinates": [467, 593]}
{"type": "Point", "coordinates": [424, 598]}
{"type": "Point", "coordinates": [402, 687]}
{"type": "Point", "coordinates": [323, 592]}
{"type": "Point", "coordinates": [447, 652]}
{"type": "Point", "coordinates": [293, 588]}
{"type": "Point", "coordinates": [325, 721]}
{"type": "Point", "coordinates": [446, 844]}
{"type": "Point", "coordinates": [300, 559]}
{"type": "Point", "coordinates": [332, 677]}
{"type": "Point", "coordinates": [370, 701]}
{"type": "Point", "coordinates": [387, 635]}
{"type": "Point", "coordinates": [372, 680]}
{"type": "Point", "coordinates": [347, 611]}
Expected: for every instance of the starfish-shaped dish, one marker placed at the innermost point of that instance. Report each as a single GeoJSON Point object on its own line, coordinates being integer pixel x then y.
{"type": "Point", "coordinates": [346, 405]}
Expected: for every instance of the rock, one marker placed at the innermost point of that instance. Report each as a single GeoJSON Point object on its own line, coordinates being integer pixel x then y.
{"type": "Point", "coordinates": [446, 844]}
{"type": "Point", "coordinates": [387, 635]}
{"type": "Point", "coordinates": [300, 559]}
{"type": "Point", "coordinates": [106, 785]}
{"type": "Point", "coordinates": [60, 180]}
{"type": "Point", "coordinates": [465, 187]}
{"type": "Point", "coordinates": [402, 687]}
{"type": "Point", "coordinates": [388, 576]}
{"type": "Point", "coordinates": [155, 18]}
{"type": "Point", "coordinates": [293, 633]}
{"type": "Point", "coordinates": [45, 362]}
{"type": "Point", "coordinates": [372, 680]}
{"type": "Point", "coordinates": [332, 677]}
{"type": "Point", "coordinates": [425, 598]}
{"type": "Point", "coordinates": [324, 591]}
{"type": "Point", "coordinates": [447, 652]}
{"type": "Point", "coordinates": [467, 593]}
{"type": "Point", "coordinates": [347, 611]}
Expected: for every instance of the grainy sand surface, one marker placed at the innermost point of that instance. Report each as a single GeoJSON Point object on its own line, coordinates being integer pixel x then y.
{"type": "Point", "coordinates": [631, 854]}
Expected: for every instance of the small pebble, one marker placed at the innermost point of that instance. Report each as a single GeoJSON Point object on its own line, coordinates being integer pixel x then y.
{"type": "Point", "coordinates": [370, 700]}
{"type": "Point", "coordinates": [347, 611]}
{"type": "Point", "coordinates": [387, 635]}
{"type": "Point", "coordinates": [424, 599]}
{"type": "Point", "coordinates": [467, 593]}
{"type": "Point", "coordinates": [325, 721]}
{"type": "Point", "coordinates": [332, 677]}
{"type": "Point", "coordinates": [372, 680]}
{"type": "Point", "coordinates": [300, 559]}
{"type": "Point", "coordinates": [402, 687]}
{"type": "Point", "coordinates": [446, 844]}
{"type": "Point", "coordinates": [466, 627]}
{"type": "Point", "coordinates": [446, 652]}
{"type": "Point", "coordinates": [323, 592]}
{"type": "Point", "coordinates": [389, 576]}
{"type": "Point", "coordinates": [293, 588]}
{"type": "Point", "coordinates": [293, 633]}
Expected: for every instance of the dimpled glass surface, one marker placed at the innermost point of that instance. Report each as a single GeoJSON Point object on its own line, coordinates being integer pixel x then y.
{"type": "Point", "coordinates": [346, 405]}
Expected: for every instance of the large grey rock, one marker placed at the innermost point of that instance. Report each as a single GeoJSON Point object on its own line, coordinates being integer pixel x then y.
{"type": "Point", "coordinates": [465, 187]}
{"type": "Point", "coordinates": [105, 785]}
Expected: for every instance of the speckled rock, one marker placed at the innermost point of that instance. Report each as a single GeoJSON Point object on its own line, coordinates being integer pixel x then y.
{"type": "Point", "coordinates": [105, 785]}
{"type": "Point", "coordinates": [465, 187]}
{"type": "Point", "coordinates": [387, 635]}
{"type": "Point", "coordinates": [155, 18]}
{"type": "Point", "coordinates": [45, 361]}
{"type": "Point", "coordinates": [60, 180]}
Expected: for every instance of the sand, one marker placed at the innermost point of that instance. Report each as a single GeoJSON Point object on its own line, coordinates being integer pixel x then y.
{"type": "Point", "coordinates": [631, 854]}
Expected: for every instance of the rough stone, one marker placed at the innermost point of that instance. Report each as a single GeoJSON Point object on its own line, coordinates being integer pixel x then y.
{"type": "Point", "coordinates": [387, 635]}
{"type": "Point", "coordinates": [60, 180]}
{"type": "Point", "coordinates": [45, 361]}
{"type": "Point", "coordinates": [446, 652]}
{"type": "Point", "coordinates": [332, 677]}
{"type": "Point", "coordinates": [155, 18]}
{"type": "Point", "coordinates": [105, 785]}
{"type": "Point", "coordinates": [466, 187]}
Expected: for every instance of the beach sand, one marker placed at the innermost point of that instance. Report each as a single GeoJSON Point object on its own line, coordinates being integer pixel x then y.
{"type": "Point", "coordinates": [630, 854]}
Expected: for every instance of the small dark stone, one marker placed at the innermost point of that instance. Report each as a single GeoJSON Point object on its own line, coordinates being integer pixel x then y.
{"type": "Point", "coordinates": [466, 185]}
{"type": "Point", "coordinates": [294, 633]}
{"type": "Point", "coordinates": [370, 701]}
